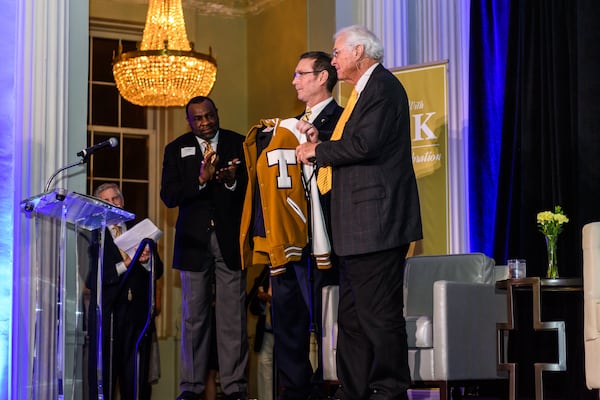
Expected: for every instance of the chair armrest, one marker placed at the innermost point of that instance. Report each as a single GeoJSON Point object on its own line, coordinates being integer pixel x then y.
{"type": "Point", "coordinates": [464, 321]}
{"type": "Point", "coordinates": [592, 317]}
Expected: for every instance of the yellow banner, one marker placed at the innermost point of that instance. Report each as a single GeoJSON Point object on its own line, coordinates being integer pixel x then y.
{"type": "Point", "coordinates": [426, 86]}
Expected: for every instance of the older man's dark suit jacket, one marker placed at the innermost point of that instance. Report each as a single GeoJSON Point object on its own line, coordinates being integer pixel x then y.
{"type": "Point", "coordinates": [375, 204]}
{"type": "Point", "coordinates": [180, 188]}
{"type": "Point", "coordinates": [117, 289]}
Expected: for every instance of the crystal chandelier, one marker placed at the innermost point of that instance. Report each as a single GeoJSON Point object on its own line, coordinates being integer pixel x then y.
{"type": "Point", "coordinates": [165, 70]}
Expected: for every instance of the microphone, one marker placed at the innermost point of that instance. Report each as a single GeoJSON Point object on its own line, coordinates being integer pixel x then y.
{"type": "Point", "coordinates": [112, 142]}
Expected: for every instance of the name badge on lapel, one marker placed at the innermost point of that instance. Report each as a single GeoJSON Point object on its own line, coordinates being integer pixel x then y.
{"type": "Point", "coordinates": [188, 151]}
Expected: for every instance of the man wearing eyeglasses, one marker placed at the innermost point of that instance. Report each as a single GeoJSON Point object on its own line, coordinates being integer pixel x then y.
{"type": "Point", "coordinates": [295, 281]}
{"type": "Point", "coordinates": [314, 79]}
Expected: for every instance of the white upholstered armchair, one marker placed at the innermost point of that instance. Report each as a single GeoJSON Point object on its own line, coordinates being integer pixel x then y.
{"type": "Point", "coordinates": [451, 309]}
{"type": "Point", "coordinates": [591, 302]}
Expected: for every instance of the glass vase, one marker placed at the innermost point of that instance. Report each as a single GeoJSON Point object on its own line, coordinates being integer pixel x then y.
{"type": "Point", "coordinates": [552, 272]}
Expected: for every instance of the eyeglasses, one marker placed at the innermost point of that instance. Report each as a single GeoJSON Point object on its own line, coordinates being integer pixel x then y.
{"type": "Point", "coordinates": [336, 52]}
{"type": "Point", "coordinates": [298, 74]}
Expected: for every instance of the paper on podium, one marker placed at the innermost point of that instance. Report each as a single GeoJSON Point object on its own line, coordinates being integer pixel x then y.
{"type": "Point", "coordinates": [130, 239]}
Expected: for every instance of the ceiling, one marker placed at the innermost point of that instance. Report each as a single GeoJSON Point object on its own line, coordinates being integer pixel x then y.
{"type": "Point", "coordinates": [233, 8]}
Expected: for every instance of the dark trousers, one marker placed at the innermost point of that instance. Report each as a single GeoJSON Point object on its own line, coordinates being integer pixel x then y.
{"type": "Point", "coordinates": [121, 367]}
{"type": "Point", "coordinates": [296, 301]}
{"type": "Point", "coordinates": [372, 356]}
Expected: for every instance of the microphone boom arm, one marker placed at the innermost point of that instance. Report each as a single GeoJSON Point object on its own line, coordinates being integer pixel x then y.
{"type": "Point", "coordinates": [85, 155]}
{"type": "Point", "coordinates": [47, 187]}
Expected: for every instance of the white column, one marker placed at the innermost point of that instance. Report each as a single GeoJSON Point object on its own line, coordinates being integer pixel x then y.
{"type": "Point", "coordinates": [417, 32]}
{"type": "Point", "coordinates": [48, 115]}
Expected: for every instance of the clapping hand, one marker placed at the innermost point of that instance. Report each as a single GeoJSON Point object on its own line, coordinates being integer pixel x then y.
{"type": "Point", "coordinates": [208, 167]}
{"type": "Point", "coordinates": [227, 174]}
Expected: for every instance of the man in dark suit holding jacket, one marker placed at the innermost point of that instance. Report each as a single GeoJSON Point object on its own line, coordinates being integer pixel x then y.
{"type": "Point", "coordinates": [275, 230]}
{"type": "Point", "coordinates": [296, 300]}
{"type": "Point", "coordinates": [367, 166]}
{"type": "Point", "coordinates": [201, 175]}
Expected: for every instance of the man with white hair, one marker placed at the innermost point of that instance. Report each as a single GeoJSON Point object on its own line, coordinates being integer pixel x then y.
{"type": "Point", "coordinates": [375, 214]}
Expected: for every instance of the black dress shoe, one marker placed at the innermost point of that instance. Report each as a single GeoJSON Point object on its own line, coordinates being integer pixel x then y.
{"type": "Point", "coordinates": [187, 395]}
{"type": "Point", "coordinates": [235, 396]}
{"type": "Point", "coordinates": [339, 394]}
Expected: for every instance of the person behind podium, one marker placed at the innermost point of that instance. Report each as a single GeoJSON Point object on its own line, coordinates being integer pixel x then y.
{"type": "Point", "coordinates": [125, 307]}
{"type": "Point", "coordinates": [375, 214]}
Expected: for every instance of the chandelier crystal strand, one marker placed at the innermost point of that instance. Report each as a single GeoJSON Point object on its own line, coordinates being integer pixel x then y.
{"type": "Point", "coordinates": [165, 71]}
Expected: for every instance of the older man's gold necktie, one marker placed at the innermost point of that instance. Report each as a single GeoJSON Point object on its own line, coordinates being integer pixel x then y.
{"type": "Point", "coordinates": [324, 175]}
{"type": "Point", "coordinates": [118, 231]}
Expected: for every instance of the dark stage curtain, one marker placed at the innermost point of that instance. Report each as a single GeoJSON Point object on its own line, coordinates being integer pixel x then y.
{"type": "Point", "coordinates": [488, 48]}
{"type": "Point", "coordinates": [536, 142]}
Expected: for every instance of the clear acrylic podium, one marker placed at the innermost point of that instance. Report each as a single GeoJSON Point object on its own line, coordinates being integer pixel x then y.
{"type": "Point", "coordinates": [62, 219]}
